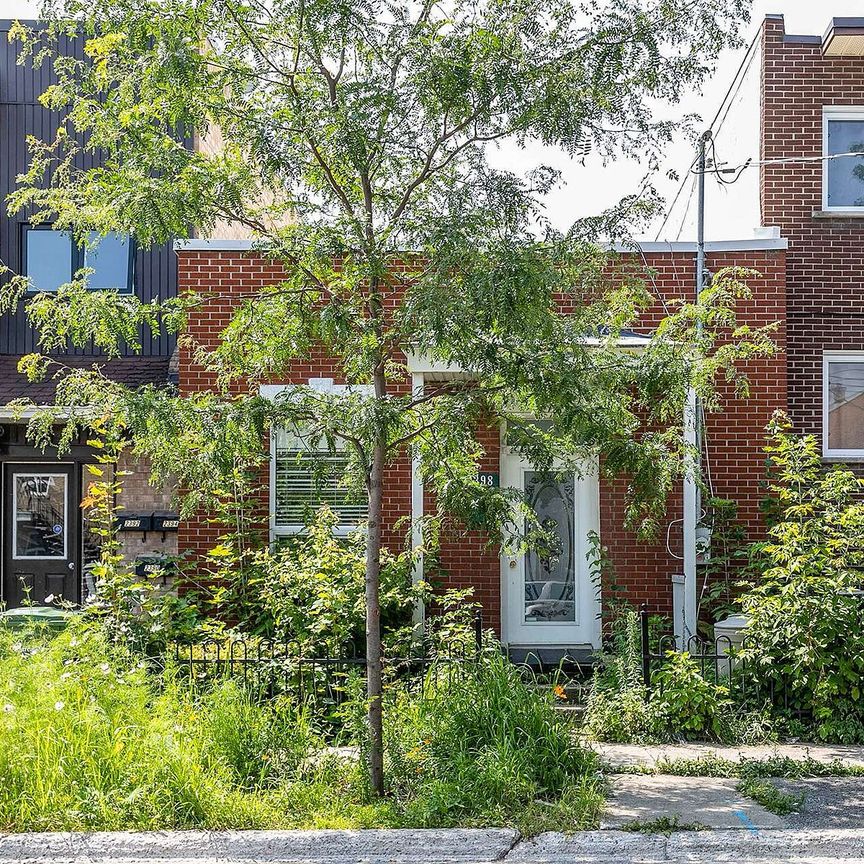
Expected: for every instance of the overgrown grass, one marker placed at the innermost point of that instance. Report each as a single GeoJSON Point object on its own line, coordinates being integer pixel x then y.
{"type": "Point", "coordinates": [89, 740]}
{"type": "Point", "coordinates": [663, 825]}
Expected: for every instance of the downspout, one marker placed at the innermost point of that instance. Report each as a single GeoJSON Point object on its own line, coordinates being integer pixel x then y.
{"type": "Point", "coordinates": [418, 383]}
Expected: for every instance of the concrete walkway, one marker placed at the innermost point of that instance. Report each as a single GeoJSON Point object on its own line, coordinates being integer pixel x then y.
{"type": "Point", "coordinates": [623, 755]}
{"type": "Point", "coordinates": [435, 847]}
{"type": "Point", "coordinates": [704, 802]}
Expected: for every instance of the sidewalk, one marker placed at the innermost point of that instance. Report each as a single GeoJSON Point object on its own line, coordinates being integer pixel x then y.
{"type": "Point", "coordinates": [457, 846]}
{"type": "Point", "coordinates": [625, 755]}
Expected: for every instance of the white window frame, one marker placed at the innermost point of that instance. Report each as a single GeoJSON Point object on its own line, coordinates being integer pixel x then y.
{"type": "Point", "coordinates": [270, 391]}
{"type": "Point", "coordinates": [829, 357]}
{"type": "Point", "coordinates": [836, 112]}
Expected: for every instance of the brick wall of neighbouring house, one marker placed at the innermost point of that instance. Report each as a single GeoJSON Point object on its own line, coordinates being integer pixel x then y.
{"type": "Point", "coordinates": [642, 569]}
{"type": "Point", "coordinates": [825, 260]}
{"type": "Point", "coordinates": [137, 495]}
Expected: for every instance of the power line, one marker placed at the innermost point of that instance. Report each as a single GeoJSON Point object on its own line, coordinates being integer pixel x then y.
{"type": "Point", "coordinates": [745, 60]}
{"type": "Point", "coordinates": [718, 168]}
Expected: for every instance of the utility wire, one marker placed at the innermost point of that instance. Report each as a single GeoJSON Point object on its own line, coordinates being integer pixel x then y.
{"type": "Point", "coordinates": [721, 168]}
{"type": "Point", "coordinates": [746, 60]}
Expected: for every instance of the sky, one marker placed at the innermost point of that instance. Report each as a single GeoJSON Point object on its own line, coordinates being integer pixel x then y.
{"type": "Point", "coordinates": [732, 212]}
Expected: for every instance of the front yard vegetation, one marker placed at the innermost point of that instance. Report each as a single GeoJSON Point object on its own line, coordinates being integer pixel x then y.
{"type": "Point", "coordinates": [800, 670]}
{"type": "Point", "coordinates": [93, 737]}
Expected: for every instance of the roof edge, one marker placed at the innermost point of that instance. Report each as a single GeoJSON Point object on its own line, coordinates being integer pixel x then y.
{"type": "Point", "coordinates": [215, 244]}
{"type": "Point", "coordinates": [756, 244]}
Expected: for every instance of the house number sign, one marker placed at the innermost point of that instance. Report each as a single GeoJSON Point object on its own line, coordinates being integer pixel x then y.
{"type": "Point", "coordinates": [489, 478]}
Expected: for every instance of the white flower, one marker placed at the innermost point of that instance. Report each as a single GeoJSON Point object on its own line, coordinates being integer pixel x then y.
{"type": "Point", "coordinates": [105, 668]}
{"type": "Point", "coordinates": [8, 707]}
{"type": "Point", "coordinates": [58, 706]}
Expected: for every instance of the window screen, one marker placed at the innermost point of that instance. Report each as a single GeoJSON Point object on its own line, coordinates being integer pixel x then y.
{"type": "Point", "coordinates": [845, 174]}
{"type": "Point", "coordinates": [845, 404]}
{"type": "Point", "coordinates": [306, 480]}
{"type": "Point", "coordinates": [47, 258]}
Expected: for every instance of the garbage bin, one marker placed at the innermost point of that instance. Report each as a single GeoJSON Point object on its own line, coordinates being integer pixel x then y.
{"type": "Point", "coordinates": [729, 636]}
{"type": "Point", "coordinates": [26, 616]}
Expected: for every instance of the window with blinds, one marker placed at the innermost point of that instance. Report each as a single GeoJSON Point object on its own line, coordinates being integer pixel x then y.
{"type": "Point", "coordinates": [304, 482]}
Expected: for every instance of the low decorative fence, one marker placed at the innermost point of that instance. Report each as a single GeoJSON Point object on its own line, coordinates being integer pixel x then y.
{"type": "Point", "coordinates": [722, 661]}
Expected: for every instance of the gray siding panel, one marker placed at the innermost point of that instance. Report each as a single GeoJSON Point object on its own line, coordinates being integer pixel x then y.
{"type": "Point", "coordinates": [20, 116]}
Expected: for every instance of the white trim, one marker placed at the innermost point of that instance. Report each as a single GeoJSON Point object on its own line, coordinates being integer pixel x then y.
{"type": "Point", "coordinates": [756, 244]}
{"type": "Point", "coordinates": [836, 112]}
{"type": "Point", "coordinates": [214, 245]}
{"type": "Point", "coordinates": [417, 491]}
{"type": "Point", "coordinates": [827, 358]}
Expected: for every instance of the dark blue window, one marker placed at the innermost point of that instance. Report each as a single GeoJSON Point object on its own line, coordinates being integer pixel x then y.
{"type": "Point", "coordinates": [51, 259]}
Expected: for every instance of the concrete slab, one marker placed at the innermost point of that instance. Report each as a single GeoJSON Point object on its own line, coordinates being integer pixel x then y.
{"type": "Point", "coordinates": [597, 847]}
{"type": "Point", "coordinates": [689, 847]}
{"type": "Point", "coordinates": [705, 801]}
{"type": "Point", "coordinates": [829, 802]}
{"type": "Point", "coordinates": [263, 847]}
{"type": "Point", "coordinates": [618, 755]}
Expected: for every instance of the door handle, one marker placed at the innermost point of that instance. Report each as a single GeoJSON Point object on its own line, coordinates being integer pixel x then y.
{"type": "Point", "coordinates": [71, 565]}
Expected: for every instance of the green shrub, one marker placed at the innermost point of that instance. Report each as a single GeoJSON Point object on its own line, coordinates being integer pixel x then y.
{"type": "Point", "coordinates": [805, 641]}
{"type": "Point", "coordinates": [686, 704]}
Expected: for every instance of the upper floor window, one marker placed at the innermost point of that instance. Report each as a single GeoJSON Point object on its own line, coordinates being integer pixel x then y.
{"type": "Point", "coordinates": [51, 259]}
{"type": "Point", "coordinates": [843, 177]}
{"type": "Point", "coordinates": [843, 404]}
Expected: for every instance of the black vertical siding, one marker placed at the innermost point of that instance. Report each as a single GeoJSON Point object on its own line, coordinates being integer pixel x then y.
{"type": "Point", "coordinates": [20, 116]}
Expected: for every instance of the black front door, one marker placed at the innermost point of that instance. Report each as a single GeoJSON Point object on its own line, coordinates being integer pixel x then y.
{"type": "Point", "coordinates": [40, 533]}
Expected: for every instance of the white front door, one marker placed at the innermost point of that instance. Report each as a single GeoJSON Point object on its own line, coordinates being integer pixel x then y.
{"type": "Point", "coordinates": [548, 595]}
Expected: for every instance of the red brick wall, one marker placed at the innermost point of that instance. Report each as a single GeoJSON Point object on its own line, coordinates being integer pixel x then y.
{"type": "Point", "coordinates": [825, 260]}
{"type": "Point", "coordinates": [642, 570]}
{"type": "Point", "coordinates": [734, 437]}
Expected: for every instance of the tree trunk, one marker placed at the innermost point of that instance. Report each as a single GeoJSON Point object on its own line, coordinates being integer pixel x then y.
{"type": "Point", "coordinates": [373, 608]}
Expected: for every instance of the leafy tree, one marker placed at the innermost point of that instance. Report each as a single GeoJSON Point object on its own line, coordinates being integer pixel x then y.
{"type": "Point", "coordinates": [354, 146]}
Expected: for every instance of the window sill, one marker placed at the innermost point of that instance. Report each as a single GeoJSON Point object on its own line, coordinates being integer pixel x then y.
{"type": "Point", "coordinates": [839, 214]}
{"type": "Point", "coordinates": [849, 457]}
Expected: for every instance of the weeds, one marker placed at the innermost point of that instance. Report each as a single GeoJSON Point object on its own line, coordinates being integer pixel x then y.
{"type": "Point", "coordinates": [774, 766]}
{"type": "Point", "coordinates": [92, 740]}
{"type": "Point", "coordinates": [663, 825]}
{"type": "Point", "coordinates": [765, 793]}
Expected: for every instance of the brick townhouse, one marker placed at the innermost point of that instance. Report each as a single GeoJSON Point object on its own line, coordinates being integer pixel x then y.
{"type": "Point", "coordinates": [45, 541]}
{"type": "Point", "coordinates": [511, 592]}
{"type": "Point", "coordinates": [809, 256]}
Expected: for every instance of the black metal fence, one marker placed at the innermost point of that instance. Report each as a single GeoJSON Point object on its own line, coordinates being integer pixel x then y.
{"type": "Point", "coordinates": [722, 661]}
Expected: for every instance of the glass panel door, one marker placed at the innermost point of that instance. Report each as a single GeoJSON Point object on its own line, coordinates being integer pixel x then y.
{"type": "Point", "coordinates": [39, 516]}
{"type": "Point", "coordinates": [550, 568]}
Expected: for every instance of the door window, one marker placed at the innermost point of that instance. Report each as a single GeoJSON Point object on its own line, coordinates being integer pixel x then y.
{"type": "Point", "coordinates": [39, 503]}
{"type": "Point", "coordinates": [550, 569]}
